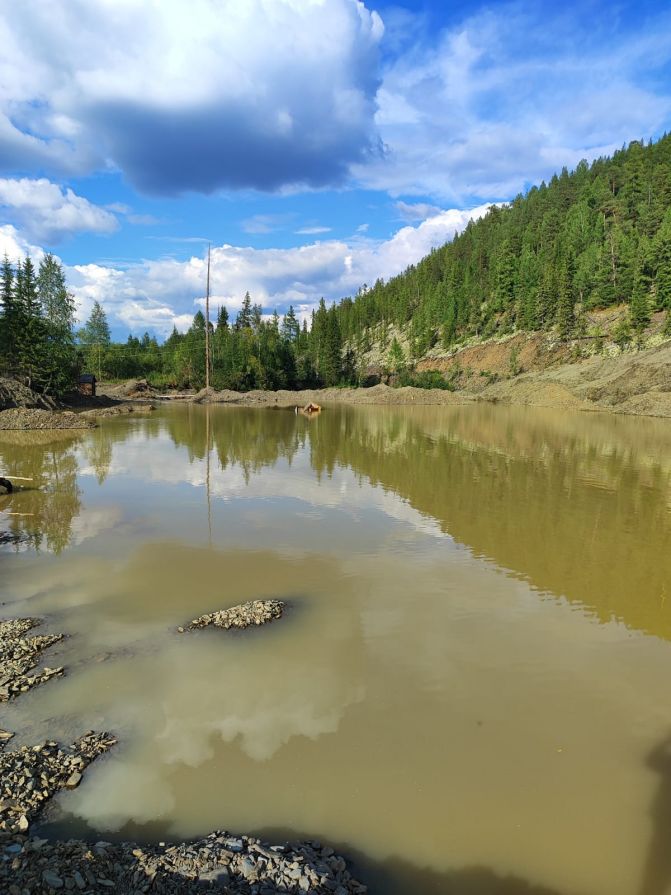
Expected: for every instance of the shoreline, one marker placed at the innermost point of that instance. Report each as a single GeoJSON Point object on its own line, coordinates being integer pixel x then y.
{"type": "Point", "coordinates": [632, 383]}
{"type": "Point", "coordinates": [221, 862]}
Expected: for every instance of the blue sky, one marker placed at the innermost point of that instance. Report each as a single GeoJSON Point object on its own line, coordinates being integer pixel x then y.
{"type": "Point", "coordinates": [318, 144]}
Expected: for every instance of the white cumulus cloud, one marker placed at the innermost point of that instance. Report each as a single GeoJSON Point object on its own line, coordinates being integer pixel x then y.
{"type": "Point", "coordinates": [48, 213]}
{"type": "Point", "coordinates": [214, 93]}
{"type": "Point", "coordinates": [157, 294]}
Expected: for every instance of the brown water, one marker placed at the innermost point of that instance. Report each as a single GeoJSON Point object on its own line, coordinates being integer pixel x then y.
{"type": "Point", "coordinates": [470, 693]}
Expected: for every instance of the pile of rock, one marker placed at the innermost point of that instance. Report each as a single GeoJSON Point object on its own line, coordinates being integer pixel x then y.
{"type": "Point", "coordinates": [23, 418]}
{"type": "Point", "coordinates": [237, 865]}
{"type": "Point", "coordinates": [20, 655]}
{"type": "Point", "coordinates": [15, 394]}
{"type": "Point", "coordinates": [31, 775]}
{"type": "Point", "coordinates": [256, 612]}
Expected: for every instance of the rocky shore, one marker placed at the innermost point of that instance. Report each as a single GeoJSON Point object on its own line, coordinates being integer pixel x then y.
{"type": "Point", "coordinates": [30, 776]}
{"type": "Point", "coordinates": [235, 865]}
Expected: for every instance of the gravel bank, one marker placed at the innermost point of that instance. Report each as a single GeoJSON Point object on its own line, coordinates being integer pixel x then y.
{"type": "Point", "coordinates": [237, 865]}
{"type": "Point", "coordinates": [15, 394]}
{"type": "Point", "coordinates": [25, 418]}
{"type": "Point", "coordinates": [32, 775]}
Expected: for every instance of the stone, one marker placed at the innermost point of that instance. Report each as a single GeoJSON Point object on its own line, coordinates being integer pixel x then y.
{"type": "Point", "coordinates": [73, 780]}
{"type": "Point", "coordinates": [49, 878]}
{"type": "Point", "coordinates": [256, 612]}
{"type": "Point", "coordinates": [248, 869]}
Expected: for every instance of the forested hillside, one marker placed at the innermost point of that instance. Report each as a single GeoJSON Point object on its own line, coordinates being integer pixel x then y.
{"type": "Point", "coordinates": [595, 237]}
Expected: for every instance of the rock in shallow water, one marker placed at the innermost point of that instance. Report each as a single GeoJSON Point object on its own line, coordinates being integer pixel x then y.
{"type": "Point", "coordinates": [20, 654]}
{"type": "Point", "coordinates": [256, 612]}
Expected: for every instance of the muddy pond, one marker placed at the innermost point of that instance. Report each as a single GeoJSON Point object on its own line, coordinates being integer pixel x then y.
{"type": "Point", "coordinates": [470, 689]}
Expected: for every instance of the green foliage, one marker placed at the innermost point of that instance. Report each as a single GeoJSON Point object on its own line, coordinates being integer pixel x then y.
{"type": "Point", "coordinates": [36, 318]}
{"type": "Point", "coordinates": [427, 379]}
{"type": "Point", "coordinates": [588, 239]}
{"type": "Point", "coordinates": [396, 356]}
{"type": "Point", "coordinates": [514, 366]}
{"type": "Point", "coordinates": [96, 330]}
{"type": "Point", "coordinates": [621, 333]}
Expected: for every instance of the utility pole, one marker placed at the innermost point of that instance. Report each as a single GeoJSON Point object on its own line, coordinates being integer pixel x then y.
{"type": "Point", "coordinates": [207, 323]}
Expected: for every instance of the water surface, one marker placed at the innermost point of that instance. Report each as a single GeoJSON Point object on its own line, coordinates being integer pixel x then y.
{"type": "Point", "coordinates": [470, 690]}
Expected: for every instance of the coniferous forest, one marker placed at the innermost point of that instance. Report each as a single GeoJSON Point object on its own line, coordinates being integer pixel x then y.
{"type": "Point", "coordinates": [597, 237]}
{"type": "Point", "coordinates": [589, 239]}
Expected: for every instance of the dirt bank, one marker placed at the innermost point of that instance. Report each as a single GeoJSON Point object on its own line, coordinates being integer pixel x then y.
{"type": "Point", "coordinates": [23, 418]}
{"type": "Point", "coordinates": [521, 370]}
{"type": "Point", "coordinates": [23, 409]}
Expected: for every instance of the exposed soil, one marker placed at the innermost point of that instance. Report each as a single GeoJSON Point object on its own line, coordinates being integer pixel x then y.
{"type": "Point", "coordinates": [25, 418]}
{"type": "Point", "coordinates": [524, 369]}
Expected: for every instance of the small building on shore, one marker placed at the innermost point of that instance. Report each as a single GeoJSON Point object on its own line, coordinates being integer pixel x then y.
{"type": "Point", "coordinates": [87, 385]}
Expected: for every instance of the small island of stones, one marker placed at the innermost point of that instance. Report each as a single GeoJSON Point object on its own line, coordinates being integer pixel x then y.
{"type": "Point", "coordinates": [246, 615]}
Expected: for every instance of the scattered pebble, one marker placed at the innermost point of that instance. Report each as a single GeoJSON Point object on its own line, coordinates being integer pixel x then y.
{"type": "Point", "coordinates": [31, 775]}
{"type": "Point", "coordinates": [20, 654]}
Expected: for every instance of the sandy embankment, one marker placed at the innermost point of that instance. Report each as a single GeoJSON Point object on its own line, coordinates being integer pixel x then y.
{"type": "Point", "coordinates": [632, 383]}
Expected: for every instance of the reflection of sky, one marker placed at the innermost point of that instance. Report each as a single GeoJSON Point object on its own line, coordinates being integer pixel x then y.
{"type": "Point", "coordinates": [412, 687]}
{"type": "Point", "coordinates": [285, 500]}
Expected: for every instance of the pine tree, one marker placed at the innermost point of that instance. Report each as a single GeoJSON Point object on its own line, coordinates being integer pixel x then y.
{"type": "Point", "coordinates": [396, 356]}
{"type": "Point", "coordinates": [222, 318]}
{"type": "Point", "coordinates": [639, 309]}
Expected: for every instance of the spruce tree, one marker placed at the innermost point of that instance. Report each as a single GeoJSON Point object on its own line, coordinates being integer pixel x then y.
{"type": "Point", "coordinates": [32, 344]}
{"type": "Point", "coordinates": [565, 305]}
{"type": "Point", "coordinates": [290, 326]}
{"type": "Point", "coordinates": [639, 309]}
{"type": "Point", "coordinates": [244, 319]}
{"type": "Point", "coordinates": [11, 318]}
